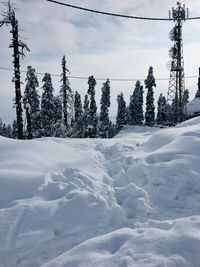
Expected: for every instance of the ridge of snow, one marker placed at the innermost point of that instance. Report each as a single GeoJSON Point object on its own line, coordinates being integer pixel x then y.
{"type": "Point", "coordinates": [129, 201]}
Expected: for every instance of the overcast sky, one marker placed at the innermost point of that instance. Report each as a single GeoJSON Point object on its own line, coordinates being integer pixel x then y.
{"type": "Point", "coordinates": [98, 45]}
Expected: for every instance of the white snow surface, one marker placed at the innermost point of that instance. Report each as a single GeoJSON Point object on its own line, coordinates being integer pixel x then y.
{"type": "Point", "coordinates": [133, 200]}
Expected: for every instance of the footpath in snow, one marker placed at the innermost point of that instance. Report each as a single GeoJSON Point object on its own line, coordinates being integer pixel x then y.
{"type": "Point", "coordinates": [129, 201]}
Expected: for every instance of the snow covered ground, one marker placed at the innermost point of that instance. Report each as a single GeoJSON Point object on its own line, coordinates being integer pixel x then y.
{"type": "Point", "coordinates": [133, 200]}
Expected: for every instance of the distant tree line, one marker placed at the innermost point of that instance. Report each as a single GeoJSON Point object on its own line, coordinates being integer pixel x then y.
{"type": "Point", "coordinates": [65, 115]}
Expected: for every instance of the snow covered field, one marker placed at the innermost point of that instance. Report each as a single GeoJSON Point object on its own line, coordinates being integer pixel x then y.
{"type": "Point", "coordinates": [133, 200]}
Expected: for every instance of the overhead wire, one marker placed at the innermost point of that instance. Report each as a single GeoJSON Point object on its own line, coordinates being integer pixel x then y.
{"type": "Point", "coordinates": [99, 79]}
{"type": "Point", "coordinates": [107, 13]}
{"type": "Point", "coordinates": [115, 14]}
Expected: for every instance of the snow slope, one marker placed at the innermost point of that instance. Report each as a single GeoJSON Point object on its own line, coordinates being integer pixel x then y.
{"type": "Point", "coordinates": [129, 201]}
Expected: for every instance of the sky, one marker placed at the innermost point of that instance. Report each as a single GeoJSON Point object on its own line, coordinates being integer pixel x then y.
{"type": "Point", "coordinates": [102, 46]}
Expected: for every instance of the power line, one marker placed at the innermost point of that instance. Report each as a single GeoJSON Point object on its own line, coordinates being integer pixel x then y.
{"type": "Point", "coordinates": [107, 13]}
{"type": "Point", "coordinates": [99, 79]}
{"type": "Point", "coordinates": [114, 14]}
{"type": "Point", "coordinates": [193, 18]}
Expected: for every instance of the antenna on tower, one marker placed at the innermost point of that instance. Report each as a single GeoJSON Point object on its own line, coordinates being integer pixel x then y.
{"type": "Point", "coordinates": [177, 81]}
{"type": "Point", "coordinates": [187, 13]}
{"type": "Point", "coordinates": [170, 14]}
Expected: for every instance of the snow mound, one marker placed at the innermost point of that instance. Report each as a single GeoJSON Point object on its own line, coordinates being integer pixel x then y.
{"type": "Point", "coordinates": [191, 122]}
{"type": "Point", "coordinates": [139, 247]}
{"type": "Point", "coordinates": [129, 201]}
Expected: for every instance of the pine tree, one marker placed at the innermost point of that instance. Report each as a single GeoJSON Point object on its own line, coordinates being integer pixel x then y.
{"type": "Point", "coordinates": [136, 106]}
{"type": "Point", "coordinates": [140, 116]}
{"type": "Point", "coordinates": [111, 130]}
{"type": "Point", "coordinates": [78, 110]}
{"type": "Point", "coordinates": [169, 115]}
{"type": "Point", "coordinates": [150, 108]}
{"type": "Point", "coordinates": [28, 117]}
{"type": "Point", "coordinates": [86, 103]}
{"type": "Point", "coordinates": [5, 130]}
{"type": "Point", "coordinates": [162, 110]}
{"type": "Point", "coordinates": [31, 102]}
{"type": "Point", "coordinates": [185, 98]}
{"type": "Point", "coordinates": [47, 106]}
{"type": "Point", "coordinates": [93, 120]}
{"type": "Point", "coordinates": [86, 116]}
{"type": "Point", "coordinates": [67, 95]}
{"type": "Point", "coordinates": [174, 109]}
{"type": "Point", "coordinates": [58, 130]}
{"type": "Point", "coordinates": [14, 129]}
{"type": "Point", "coordinates": [104, 117]}
{"type": "Point", "coordinates": [78, 130]}
{"type": "Point", "coordinates": [9, 131]}
{"type": "Point", "coordinates": [121, 112]}
{"type": "Point", "coordinates": [175, 105]}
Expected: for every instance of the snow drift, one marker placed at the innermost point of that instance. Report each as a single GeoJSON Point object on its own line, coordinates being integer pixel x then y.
{"type": "Point", "coordinates": [128, 201]}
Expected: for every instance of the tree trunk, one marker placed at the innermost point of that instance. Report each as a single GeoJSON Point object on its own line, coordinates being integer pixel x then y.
{"type": "Point", "coordinates": [16, 62]}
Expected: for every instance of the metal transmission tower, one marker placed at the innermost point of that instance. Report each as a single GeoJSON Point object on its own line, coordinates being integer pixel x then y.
{"type": "Point", "coordinates": [177, 81]}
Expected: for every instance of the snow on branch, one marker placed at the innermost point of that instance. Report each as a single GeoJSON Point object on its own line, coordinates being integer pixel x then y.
{"type": "Point", "coordinates": [6, 21]}
{"type": "Point", "coordinates": [23, 46]}
{"type": "Point", "coordinates": [7, 16]}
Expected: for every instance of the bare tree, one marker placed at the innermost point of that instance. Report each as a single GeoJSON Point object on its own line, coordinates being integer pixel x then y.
{"type": "Point", "coordinates": [18, 51]}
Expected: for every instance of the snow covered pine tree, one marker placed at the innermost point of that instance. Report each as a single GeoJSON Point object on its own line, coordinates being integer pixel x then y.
{"type": "Point", "coordinates": [104, 117]}
{"type": "Point", "coordinates": [47, 106]}
{"type": "Point", "coordinates": [93, 120]}
{"type": "Point", "coordinates": [31, 101]}
{"type": "Point", "coordinates": [150, 108]}
{"type": "Point", "coordinates": [59, 129]}
{"type": "Point", "coordinates": [121, 118]}
{"type": "Point", "coordinates": [162, 110]}
{"type": "Point", "coordinates": [78, 117]}
{"type": "Point", "coordinates": [136, 105]}
{"type": "Point", "coordinates": [86, 116]}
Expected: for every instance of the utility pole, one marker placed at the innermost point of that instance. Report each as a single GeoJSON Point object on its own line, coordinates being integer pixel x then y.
{"type": "Point", "coordinates": [177, 80]}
